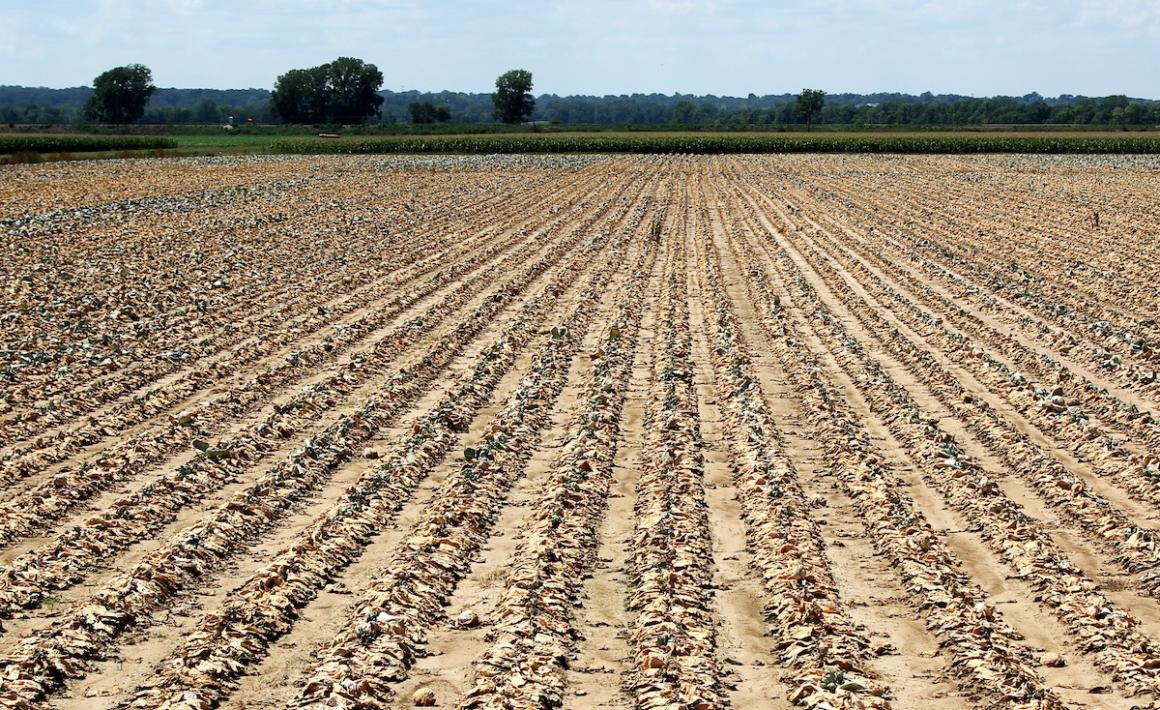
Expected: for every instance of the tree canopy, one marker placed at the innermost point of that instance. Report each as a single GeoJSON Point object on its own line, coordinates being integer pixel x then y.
{"type": "Point", "coordinates": [808, 105]}
{"type": "Point", "coordinates": [513, 96]}
{"type": "Point", "coordinates": [21, 104]}
{"type": "Point", "coordinates": [342, 91]}
{"type": "Point", "coordinates": [120, 94]}
{"type": "Point", "coordinates": [427, 112]}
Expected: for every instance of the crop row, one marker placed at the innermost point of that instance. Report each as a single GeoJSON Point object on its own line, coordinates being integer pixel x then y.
{"type": "Point", "coordinates": [1107, 632]}
{"type": "Point", "coordinates": [953, 267]}
{"type": "Point", "coordinates": [1053, 244]}
{"type": "Point", "coordinates": [199, 422]}
{"type": "Point", "coordinates": [36, 200]}
{"type": "Point", "coordinates": [673, 630]}
{"type": "Point", "coordinates": [981, 347]}
{"type": "Point", "coordinates": [57, 566]}
{"type": "Point", "coordinates": [32, 510]}
{"type": "Point", "coordinates": [54, 446]}
{"type": "Point", "coordinates": [266, 606]}
{"type": "Point", "coordinates": [41, 662]}
{"type": "Point", "coordinates": [61, 143]}
{"type": "Point", "coordinates": [1047, 409]}
{"type": "Point", "coordinates": [137, 310]}
{"type": "Point", "coordinates": [534, 622]}
{"type": "Point", "coordinates": [827, 656]}
{"type": "Point", "coordinates": [1133, 546]}
{"type": "Point", "coordinates": [692, 144]}
{"type": "Point", "coordinates": [985, 654]}
{"type": "Point", "coordinates": [1105, 337]}
{"type": "Point", "coordinates": [387, 627]}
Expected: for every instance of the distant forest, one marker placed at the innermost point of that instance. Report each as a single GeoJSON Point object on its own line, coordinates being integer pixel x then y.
{"type": "Point", "coordinates": [214, 106]}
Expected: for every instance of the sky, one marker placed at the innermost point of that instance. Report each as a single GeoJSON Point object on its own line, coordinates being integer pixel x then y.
{"type": "Point", "coordinates": [723, 47]}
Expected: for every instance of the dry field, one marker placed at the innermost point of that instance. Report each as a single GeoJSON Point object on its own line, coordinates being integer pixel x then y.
{"type": "Point", "coordinates": [522, 432]}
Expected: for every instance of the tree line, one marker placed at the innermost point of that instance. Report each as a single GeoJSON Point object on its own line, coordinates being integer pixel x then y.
{"type": "Point", "coordinates": [345, 91]}
{"type": "Point", "coordinates": [20, 104]}
{"type": "Point", "coordinates": [348, 91]}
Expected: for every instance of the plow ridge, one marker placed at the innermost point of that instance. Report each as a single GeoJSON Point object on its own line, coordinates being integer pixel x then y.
{"type": "Point", "coordinates": [515, 432]}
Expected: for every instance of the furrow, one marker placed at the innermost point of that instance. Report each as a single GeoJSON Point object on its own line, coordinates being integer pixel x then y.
{"type": "Point", "coordinates": [985, 655]}
{"type": "Point", "coordinates": [35, 509]}
{"type": "Point", "coordinates": [534, 632]}
{"type": "Point", "coordinates": [41, 663]}
{"type": "Point", "coordinates": [387, 627]}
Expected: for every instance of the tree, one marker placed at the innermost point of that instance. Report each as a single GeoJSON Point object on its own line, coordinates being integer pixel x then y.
{"type": "Point", "coordinates": [513, 96]}
{"type": "Point", "coordinates": [342, 91]}
{"type": "Point", "coordinates": [808, 105]}
{"type": "Point", "coordinates": [120, 94]}
{"type": "Point", "coordinates": [427, 112]}
{"type": "Point", "coordinates": [683, 112]}
{"type": "Point", "coordinates": [353, 86]}
{"type": "Point", "coordinates": [206, 111]}
{"type": "Point", "coordinates": [299, 96]}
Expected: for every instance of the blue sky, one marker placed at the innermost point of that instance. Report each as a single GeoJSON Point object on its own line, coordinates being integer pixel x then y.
{"type": "Point", "coordinates": [733, 47]}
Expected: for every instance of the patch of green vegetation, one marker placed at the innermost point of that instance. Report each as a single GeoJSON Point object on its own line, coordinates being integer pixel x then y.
{"type": "Point", "coordinates": [18, 148]}
{"type": "Point", "coordinates": [227, 142]}
{"type": "Point", "coordinates": [724, 143]}
{"type": "Point", "coordinates": [79, 143]}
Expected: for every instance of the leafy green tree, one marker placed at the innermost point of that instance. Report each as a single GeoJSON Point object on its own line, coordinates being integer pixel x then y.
{"type": "Point", "coordinates": [808, 104]}
{"type": "Point", "coordinates": [120, 94]}
{"type": "Point", "coordinates": [513, 96]}
{"type": "Point", "coordinates": [352, 86]}
{"type": "Point", "coordinates": [342, 91]}
{"type": "Point", "coordinates": [1136, 113]}
{"type": "Point", "coordinates": [299, 96]}
{"type": "Point", "coordinates": [421, 111]}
